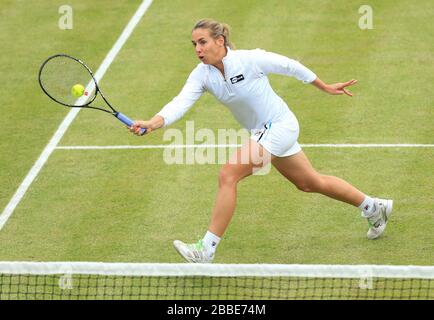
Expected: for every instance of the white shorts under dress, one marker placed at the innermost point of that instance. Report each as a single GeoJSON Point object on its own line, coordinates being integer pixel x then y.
{"type": "Point", "coordinates": [279, 137]}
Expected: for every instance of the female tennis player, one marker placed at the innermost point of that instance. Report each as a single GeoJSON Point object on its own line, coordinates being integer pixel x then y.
{"type": "Point", "coordinates": [238, 79]}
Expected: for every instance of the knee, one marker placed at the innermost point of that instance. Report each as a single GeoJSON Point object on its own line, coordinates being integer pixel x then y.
{"type": "Point", "coordinates": [228, 177]}
{"type": "Point", "coordinates": [305, 187]}
{"type": "Point", "coordinates": [310, 185]}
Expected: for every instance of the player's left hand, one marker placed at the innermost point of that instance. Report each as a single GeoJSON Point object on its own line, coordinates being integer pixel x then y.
{"type": "Point", "coordinates": [340, 88]}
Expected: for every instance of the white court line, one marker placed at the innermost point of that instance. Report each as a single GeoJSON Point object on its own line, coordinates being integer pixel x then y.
{"type": "Point", "coordinates": [368, 145]}
{"type": "Point", "coordinates": [185, 146]}
{"type": "Point", "coordinates": [51, 146]}
{"type": "Point", "coordinates": [157, 146]}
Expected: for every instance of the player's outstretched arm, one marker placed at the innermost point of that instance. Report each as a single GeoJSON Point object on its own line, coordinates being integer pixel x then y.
{"type": "Point", "coordinates": [150, 125]}
{"type": "Point", "coordinates": [335, 88]}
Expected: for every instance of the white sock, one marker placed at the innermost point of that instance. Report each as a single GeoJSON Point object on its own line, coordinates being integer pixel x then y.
{"type": "Point", "coordinates": [367, 206]}
{"type": "Point", "coordinates": [211, 242]}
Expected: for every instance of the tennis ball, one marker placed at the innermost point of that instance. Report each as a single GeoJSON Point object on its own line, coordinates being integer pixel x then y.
{"type": "Point", "coordinates": [77, 90]}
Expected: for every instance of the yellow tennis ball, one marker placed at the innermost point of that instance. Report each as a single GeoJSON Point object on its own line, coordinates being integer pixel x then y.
{"type": "Point", "coordinates": [77, 90]}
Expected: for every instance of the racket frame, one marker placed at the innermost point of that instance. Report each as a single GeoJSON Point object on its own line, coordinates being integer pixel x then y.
{"type": "Point", "coordinates": [113, 111]}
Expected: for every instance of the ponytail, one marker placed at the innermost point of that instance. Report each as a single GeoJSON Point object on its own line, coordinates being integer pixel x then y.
{"type": "Point", "coordinates": [216, 30]}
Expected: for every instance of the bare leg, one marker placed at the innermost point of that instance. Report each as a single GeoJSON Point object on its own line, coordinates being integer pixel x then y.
{"type": "Point", "coordinates": [300, 172]}
{"type": "Point", "coordinates": [243, 162]}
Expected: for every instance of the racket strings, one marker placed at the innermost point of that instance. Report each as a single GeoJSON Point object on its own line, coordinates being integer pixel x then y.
{"type": "Point", "coordinates": [60, 74]}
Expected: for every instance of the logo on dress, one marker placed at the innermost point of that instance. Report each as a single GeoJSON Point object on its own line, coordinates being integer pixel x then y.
{"type": "Point", "coordinates": [237, 78]}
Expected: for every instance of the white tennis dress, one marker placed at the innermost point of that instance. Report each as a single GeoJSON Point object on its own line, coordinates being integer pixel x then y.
{"type": "Point", "coordinates": [246, 91]}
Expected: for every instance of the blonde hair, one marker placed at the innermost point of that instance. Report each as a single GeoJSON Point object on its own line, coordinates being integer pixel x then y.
{"type": "Point", "coordinates": [216, 30]}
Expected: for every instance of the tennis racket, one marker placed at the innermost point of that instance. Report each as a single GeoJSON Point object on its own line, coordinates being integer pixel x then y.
{"type": "Point", "coordinates": [60, 73]}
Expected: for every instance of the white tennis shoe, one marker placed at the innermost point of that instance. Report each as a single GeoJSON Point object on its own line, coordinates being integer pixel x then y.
{"type": "Point", "coordinates": [194, 253]}
{"type": "Point", "coordinates": [378, 220]}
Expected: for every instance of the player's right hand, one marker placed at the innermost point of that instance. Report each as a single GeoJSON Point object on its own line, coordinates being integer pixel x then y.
{"type": "Point", "coordinates": [138, 125]}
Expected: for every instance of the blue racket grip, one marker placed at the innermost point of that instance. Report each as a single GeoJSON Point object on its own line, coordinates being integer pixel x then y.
{"type": "Point", "coordinates": [128, 121]}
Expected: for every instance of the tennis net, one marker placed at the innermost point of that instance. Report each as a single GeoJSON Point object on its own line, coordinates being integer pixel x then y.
{"type": "Point", "coordinates": [167, 281]}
